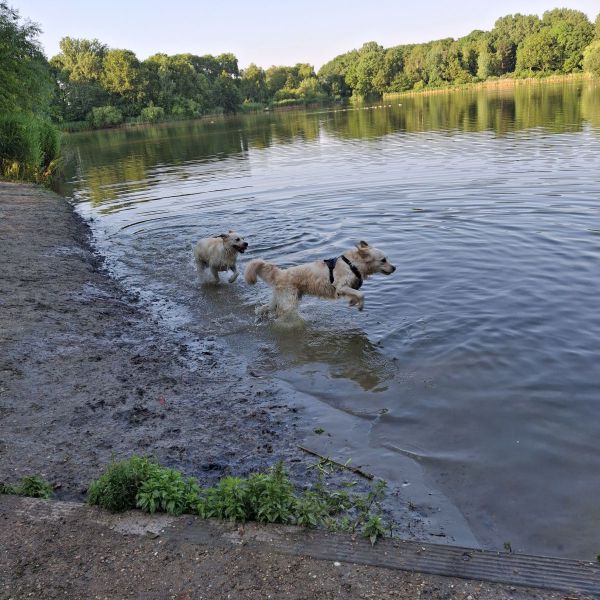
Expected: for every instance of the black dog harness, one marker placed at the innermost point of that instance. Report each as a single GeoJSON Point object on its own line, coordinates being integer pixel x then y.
{"type": "Point", "coordinates": [331, 262]}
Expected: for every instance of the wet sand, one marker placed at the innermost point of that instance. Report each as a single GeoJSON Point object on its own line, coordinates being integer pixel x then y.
{"type": "Point", "coordinates": [86, 373]}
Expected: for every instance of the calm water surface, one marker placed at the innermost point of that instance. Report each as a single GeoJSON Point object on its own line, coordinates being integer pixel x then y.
{"type": "Point", "coordinates": [479, 358]}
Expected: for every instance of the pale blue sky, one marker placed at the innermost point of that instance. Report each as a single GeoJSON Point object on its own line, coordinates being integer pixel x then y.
{"type": "Point", "coordinates": [270, 32]}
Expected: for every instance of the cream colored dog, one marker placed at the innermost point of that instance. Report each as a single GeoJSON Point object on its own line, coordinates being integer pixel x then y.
{"type": "Point", "coordinates": [220, 253]}
{"type": "Point", "coordinates": [333, 278]}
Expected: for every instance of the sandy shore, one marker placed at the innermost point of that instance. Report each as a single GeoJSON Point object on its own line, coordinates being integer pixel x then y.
{"type": "Point", "coordinates": [87, 374]}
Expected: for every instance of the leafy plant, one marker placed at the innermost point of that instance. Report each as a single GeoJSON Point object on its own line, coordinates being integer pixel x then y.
{"type": "Point", "coordinates": [7, 489]}
{"type": "Point", "coordinates": [373, 529]}
{"type": "Point", "coordinates": [311, 510]}
{"type": "Point", "coordinates": [31, 486]}
{"type": "Point", "coordinates": [117, 488]}
{"type": "Point", "coordinates": [166, 490]}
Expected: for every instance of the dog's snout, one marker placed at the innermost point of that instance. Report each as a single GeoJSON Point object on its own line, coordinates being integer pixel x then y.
{"type": "Point", "coordinates": [245, 244]}
{"type": "Point", "coordinates": [393, 269]}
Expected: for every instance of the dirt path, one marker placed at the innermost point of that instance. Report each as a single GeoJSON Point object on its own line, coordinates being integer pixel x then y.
{"type": "Point", "coordinates": [65, 550]}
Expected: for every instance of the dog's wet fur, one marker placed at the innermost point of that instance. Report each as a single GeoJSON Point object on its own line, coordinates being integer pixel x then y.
{"type": "Point", "coordinates": [219, 253]}
{"type": "Point", "coordinates": [313, 279]}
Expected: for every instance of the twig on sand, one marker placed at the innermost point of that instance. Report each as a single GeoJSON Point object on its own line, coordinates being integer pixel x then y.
{"type": "Point", "coordinates": [339, 464]}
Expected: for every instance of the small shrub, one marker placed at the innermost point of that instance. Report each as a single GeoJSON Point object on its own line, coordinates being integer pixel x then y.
{"type": "Point", "coordinates": [117, 488]}
{"type": "Point", "coordinates": [34, 487]}
{"type": "Point", "coordinates": [272, 496]}
{"type": "Point", "coordinates": [7, 489]}
{"type": "Point", "coordinates": [166, 490]}
{"type": "Point", "coordinates": [310, 510]}
{"type": "Point", "coordinates": [373, 529]}
{"type": "Point", "coordinates": [19, 140]}
{"type": "Point", "coordinates": [152, 114]}
{"type": "Point", "coordinates": [105, 116]}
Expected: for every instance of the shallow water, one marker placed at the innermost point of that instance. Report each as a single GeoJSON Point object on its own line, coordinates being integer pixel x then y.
{"type": "Point", "coordinates": [478, 359]}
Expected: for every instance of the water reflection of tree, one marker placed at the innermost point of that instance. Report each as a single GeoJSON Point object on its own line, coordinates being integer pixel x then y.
{"type": "Point", "coordinates": [555, 107]}
{"type": "Point", "coordinates": [113, 161]}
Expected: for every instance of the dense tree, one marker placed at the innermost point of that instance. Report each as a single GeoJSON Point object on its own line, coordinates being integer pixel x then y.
{"type": "Point", "coordinates": [332, 75]}
{"type": "Point", "coordinates": [253, 84]}
{"type": "Point", "coordinates": [573, 32]}
{"type": "Point", "coordinates": [539, 52]}
{"type": "Point", "coordinates": [81, 59]}
{"type": "Point", "coordinates": [25, 83]}
{"type": "Point", "coordinates": [591, 58]}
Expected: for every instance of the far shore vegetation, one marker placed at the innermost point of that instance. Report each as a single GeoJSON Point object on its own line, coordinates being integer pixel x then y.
{"type": "Point", "coordinates": [89, 85]}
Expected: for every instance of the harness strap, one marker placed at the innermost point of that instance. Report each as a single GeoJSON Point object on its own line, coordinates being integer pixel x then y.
{"type": "Point", "coordinates": [331, 262]}
{"type": "Point", "coordinates": [357, 273]}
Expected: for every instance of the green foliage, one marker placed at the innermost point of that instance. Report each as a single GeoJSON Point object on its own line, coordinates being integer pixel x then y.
{"type": "Point", "coordinates": [105, 116]}
{"type": "Point", "coordinates": [265, 497]}
{"type": "Point", "coordinates": [373, 529]}
{"type": "Point", "coordinates": [166, 490]}
{"type": "Point", "coordinates": [29, 148]}
{"type": "Point", "coordinates": [540, 52]}
{"type": "Point", "coordinates": [19, 139]}
{"type": "Point", "coordinates": [33, 487]}
{"type": "Point", "coordinates": [591, 59]}
{"type": "Point", "coordinates": [152, 114]}
{"type": "Point", "coordinates": [25, 84]}
{"type": "Point", "coordinates": [117, 488]}
{"type": "Point", "coordinates": [30, 486]}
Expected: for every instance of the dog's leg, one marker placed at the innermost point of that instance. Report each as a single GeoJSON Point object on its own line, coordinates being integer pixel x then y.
{"type": "Point", "coordinates": [215, 274]}
{"type": "Point", "coordinates": [285, 301]}
{"type": "Point", "coordinates": [234, 274]}
{"type": "Point", "coordinates": [356, 298]}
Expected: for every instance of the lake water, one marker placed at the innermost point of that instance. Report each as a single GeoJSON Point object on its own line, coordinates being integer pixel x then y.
{"type": "Point", "coordinates": [478, 360]}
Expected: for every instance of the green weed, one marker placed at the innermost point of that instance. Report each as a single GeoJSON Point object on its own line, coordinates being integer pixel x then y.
{"type": "Point", "coordinates": [31, 486]}
{"type": "Point", "coordinates": [264, 497]}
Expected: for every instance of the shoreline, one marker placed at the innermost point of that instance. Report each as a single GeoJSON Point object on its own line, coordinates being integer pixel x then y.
{"type": "Point", "coordinates": [497, 84]}
{"type": "Point", "coordinates": [91, 372]}
{"type": "Point", "coordinates": [88, 374]}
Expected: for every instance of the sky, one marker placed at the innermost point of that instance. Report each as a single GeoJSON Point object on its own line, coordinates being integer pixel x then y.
{"type": "Point", "coordinates": [267, 32]}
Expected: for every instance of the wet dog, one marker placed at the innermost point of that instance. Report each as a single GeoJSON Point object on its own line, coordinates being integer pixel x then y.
{"type": "Point", "coordinates": [334, 278]}
{"type": "Point", "coordinates": [219, 253]}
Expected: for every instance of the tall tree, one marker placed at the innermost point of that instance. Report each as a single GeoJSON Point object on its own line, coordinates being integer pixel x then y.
{"type": "Point", "coordinates": [572, 32]}
{"type": "Point", "coordinates": [25, 83]}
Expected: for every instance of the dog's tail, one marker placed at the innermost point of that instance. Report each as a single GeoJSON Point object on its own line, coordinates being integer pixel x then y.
{"type": "Point", "coordinates": [268, 272]}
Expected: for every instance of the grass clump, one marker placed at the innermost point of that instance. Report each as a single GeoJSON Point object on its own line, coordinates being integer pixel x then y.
{"type": "Point", "coordinates": [29, 148]}
{"type": "Point", "coordinates": [117, 488]}
{"type": "Point", "coordinates": [31, 486]}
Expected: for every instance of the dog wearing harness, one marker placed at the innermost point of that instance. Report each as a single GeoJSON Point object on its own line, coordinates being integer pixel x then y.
{"type": "Point", "coordinates": [331, 278]}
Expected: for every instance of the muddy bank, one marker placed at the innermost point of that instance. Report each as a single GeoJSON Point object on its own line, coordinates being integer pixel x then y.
{"type": "Point", "coordinates": [66, 550]}
{"type": "Point", "coordinates": [86, 373]}
{"type": "Point", "coordinates": [89, 372]}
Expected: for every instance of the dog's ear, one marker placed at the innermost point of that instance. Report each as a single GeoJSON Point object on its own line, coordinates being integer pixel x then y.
{"type": "Point", "coordinates": [362, 244]}
{"type": "Point", "coordinates": [222, 235]}
{"type": "Point", "coordinates": [231, 231]}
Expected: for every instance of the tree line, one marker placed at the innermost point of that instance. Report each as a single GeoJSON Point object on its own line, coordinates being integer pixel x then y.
{"type": "Point", "coordinates": [92, 83]}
